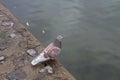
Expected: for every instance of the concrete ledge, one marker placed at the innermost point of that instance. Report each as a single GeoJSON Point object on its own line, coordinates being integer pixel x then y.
{"type": "Point", "coordinates": [15, 40]}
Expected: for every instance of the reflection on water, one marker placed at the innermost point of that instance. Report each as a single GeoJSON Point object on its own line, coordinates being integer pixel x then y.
{"type": "Point", "coordinates": [91, 30]}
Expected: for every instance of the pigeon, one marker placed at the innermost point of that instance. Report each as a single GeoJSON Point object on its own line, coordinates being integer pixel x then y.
{"type": "Point", "coordinates": [50, 52]}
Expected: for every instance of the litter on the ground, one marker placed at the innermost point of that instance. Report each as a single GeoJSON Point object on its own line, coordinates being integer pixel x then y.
{"type": "Point", "coordinates": [2, 58]}
{"type": "Point", "coordinates": [31, 52]}
{"type": "Point", "coordinates": [47, 69]}
{"type": "Point", "coordinates": [7, 23]}
{"type": "Point", "coordinates": [13, 35]}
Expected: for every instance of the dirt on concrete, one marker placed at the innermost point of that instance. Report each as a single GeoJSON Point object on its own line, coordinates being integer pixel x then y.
{"type": "Point", "coordinates": [15, 62]}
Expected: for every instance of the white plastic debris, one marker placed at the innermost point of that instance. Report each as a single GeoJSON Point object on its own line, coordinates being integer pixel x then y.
{"type": "Point", "coordinates": [43, 31]}
{"type": "Point", "coordinates": [27, 24]}
{"type": "Point", "coordinates": [47, 69]}
{"type": "Point", "coordinates": [31, 52]}
{"type": "Point", "coordinates": [8, 23]}
{"type": "Point", "coordinates": [13, 35]}
{"type": "Point", "coordinates": [2, 58]}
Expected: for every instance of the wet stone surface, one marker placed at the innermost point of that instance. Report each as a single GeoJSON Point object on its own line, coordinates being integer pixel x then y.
{"type": "Point", "coordinates": [16, 75]}
{"type": "Point", "coordinates": [23, 44]}
{"type": "Point", "coordinates": [3, 77]}
{"type": "Point", "coordinates": [41, 77]}
{"type": "Point", "coordinates": [5, 43]}
{"type": "Point", "coordinates": [19, 62]}
{"type": "Point", "coordinates": [18, 59]}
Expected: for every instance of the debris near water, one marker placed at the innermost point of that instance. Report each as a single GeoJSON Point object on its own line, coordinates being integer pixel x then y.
{"type": "Point", "coordinates": [47, 69]}
{"type": "Point", "coordinates": [13, 35]}
{"type": "Point", "coordinates": [7, 23]}
{"type": "Point", "coordinates": [2, 58]}
{"type": "Point", "coordinates": [27, 24]}
{"type": "Point", "coordinates": [43, 31]}
{"type": "Point", "coordinates": [31, 52]}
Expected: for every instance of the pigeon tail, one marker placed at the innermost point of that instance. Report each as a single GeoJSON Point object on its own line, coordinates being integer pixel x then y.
{"type": "Point", "coordinates": [39, 59]}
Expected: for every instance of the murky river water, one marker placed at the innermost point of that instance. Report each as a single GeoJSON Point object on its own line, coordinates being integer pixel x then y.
{"type": "Point", "coordinates": [91, 30]}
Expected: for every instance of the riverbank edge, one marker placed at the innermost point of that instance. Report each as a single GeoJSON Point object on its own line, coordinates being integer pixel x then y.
{"type": "Point", "coordinates": [7, 69]}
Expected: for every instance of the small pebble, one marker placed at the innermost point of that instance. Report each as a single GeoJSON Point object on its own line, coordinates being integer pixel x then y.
{"type": "Point", "coordinates": [2, 58]}
{"type": "Point", "coordinates": [31, 52]}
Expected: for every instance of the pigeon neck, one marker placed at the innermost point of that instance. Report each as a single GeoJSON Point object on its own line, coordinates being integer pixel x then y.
{"type": "Point", "coordinates": [57, 43]}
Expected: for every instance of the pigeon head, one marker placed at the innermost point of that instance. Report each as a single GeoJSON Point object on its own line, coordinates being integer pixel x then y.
{"type": "Point", "coordinates": [58, 40]}
{"type": "Point", "coordinates": [59, 37]}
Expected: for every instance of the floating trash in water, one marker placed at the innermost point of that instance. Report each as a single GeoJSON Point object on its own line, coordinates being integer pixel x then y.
{"type": "Point", "coordinates": [27, 24]}
{"type": "Point", "coordinates": [43, 31]}
{"type": "Point", "coordinates": [47, 69]}
{"type": "Point", "coordinates": [31, 52]}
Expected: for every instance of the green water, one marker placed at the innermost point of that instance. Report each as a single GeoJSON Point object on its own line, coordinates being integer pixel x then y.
{"type": "Point", "coordinates": [91, 30]}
